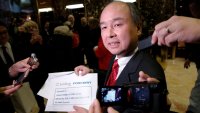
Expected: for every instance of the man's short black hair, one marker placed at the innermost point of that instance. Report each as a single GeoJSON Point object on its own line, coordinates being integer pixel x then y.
{"type": "Point", "coordinates": [135, 14]}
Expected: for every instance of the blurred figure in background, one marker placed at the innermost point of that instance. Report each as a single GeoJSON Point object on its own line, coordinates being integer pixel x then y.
{"type": "Point", "coordinates": [83, 32]}
{"type": "Point", "coordinates": [93, 36]}
{"type": "Point", "coordinates": [104, 57]}
{"type": "Point", "coordinates": [77, 54]}
{"type": "Point", "coordinates": [60, 53]}
{"type": "Point", "coordinates": [30, 41]}
{"type": "Point", "coordinates": [46, 33]}
{"type": "Point", "coordinates": [7, 59]}
{"type": "Point", "coordinates": [71, 19]}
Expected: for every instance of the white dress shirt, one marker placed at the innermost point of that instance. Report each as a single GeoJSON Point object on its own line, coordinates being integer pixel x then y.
{"type": "Point", "coordinates": [123, 61]}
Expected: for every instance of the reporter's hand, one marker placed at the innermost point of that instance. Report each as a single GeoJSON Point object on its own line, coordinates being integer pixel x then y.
{"type": "Point", "coordinates": [111, 110]}
{"type": "Point", "coordinates": [83, 69]}
{"type": "Point", "coordinates": [95, 107]}
{"type": "Point", "coordinates": [9, 90]}
{"type": "Point", "coordinates": [79, 110]}
{"type": "Point", "coordinates": [21, 66]}
{"type": "Point", "coordinates": [177, 29]}
{"type": "Point", "coordinates": [145, 77]}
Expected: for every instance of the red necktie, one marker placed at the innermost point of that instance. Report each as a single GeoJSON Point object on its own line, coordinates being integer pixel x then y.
{"type": "Point", "coordinates": [113, 74]}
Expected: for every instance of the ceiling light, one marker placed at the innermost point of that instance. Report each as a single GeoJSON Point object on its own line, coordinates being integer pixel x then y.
{"type": "Point", "coordinates": [74, 6]}
{"type": "Point", "coordinates": [129, 1]}
{"type": "Point", "coordinates": [45, 9]}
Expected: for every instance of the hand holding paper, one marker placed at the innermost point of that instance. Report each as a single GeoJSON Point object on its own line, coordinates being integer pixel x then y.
{"type": "Point", "coordinates": [65, 90]}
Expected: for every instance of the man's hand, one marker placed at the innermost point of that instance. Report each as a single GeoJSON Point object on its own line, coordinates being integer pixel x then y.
{"type": "Point", "coordinates": [146, 78]}
{"type": "Point", "coordinates": [82, 70]}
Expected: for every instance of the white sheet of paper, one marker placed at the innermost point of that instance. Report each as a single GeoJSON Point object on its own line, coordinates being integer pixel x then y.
{"type": "Point", "coordinates": [65, 90]}
{"type": "Point", "coordinates": [46, 88]}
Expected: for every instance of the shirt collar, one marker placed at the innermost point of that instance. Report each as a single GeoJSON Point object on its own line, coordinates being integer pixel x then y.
{"type": "Point", "coordinates": [124, 60]}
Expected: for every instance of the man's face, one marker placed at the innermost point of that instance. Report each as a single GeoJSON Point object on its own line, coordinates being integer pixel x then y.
{"type": "Point", "coordinates": [71, 18]}
{"type": "Point", "coordinates": [83, 21]}
{"type": "Point", "coordinates": [4, 37]}
{"type": "Point", "coordinates": [119, 33]}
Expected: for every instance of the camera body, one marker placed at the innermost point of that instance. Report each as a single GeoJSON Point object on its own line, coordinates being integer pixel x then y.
{"type": "Point", "coordinates": [144, 96]}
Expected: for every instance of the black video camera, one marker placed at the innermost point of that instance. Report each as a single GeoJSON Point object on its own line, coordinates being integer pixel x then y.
{"type": "Point", "coordinates": [148, 97]}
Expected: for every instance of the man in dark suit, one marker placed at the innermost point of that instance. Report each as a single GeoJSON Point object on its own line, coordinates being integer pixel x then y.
{"type": "Point", "coordinates": [6, 60]}
{"type": "Point", "coordinates": [120, 29]}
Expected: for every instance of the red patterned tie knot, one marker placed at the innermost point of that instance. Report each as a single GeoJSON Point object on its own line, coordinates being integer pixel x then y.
{"type": "Point", "coordinates": [113, 74]}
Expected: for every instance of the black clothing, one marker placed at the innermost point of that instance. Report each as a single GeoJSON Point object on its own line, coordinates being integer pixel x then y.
{"type": "Point", "coordinates": [141, 61]}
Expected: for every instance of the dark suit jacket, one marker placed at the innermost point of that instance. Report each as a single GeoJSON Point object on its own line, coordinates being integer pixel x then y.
{"type": "Point", "coordinates": [141, 61]}
{"type": "Point", "coordinates": [5, 78]}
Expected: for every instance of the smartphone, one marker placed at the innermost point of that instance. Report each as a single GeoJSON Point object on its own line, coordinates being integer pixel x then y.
{"type": "Point", "coordinates": [137, 95]}
{"type": "Point", "coordinates": [112, 95]}
{"type": "Point", "coordinates": [32, 61]}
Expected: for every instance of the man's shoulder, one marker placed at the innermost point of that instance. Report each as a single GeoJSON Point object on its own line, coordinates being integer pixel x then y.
{"type": "Point", "coordinates": [146, 56]}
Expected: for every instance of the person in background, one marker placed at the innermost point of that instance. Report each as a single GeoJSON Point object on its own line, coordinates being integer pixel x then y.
{"type": "Point", "coordinates": [7, 58]}
{"type": "Point", "coordinates": [46, 33]}
{"type": "Point", "coordinates": [83, 31]}
{"type": "Point", "coordinates": [30, 41]}
{"type": "Point", "coordinates": [73, 25]}
{"type": "Point", "coordinates": [71, 19]}
{"type": "Point", "coordinates": [60, 52]}
{"type": "Point", "coordinates": [104, 57]}
{"type": "Point", "coordinates": [93, 36]}
{"type": "Point", "coordinates": [120, 25]}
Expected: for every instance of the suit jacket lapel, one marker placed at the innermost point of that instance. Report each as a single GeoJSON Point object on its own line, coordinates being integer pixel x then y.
{"type": "Point", "coordinates": [130, 73]}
